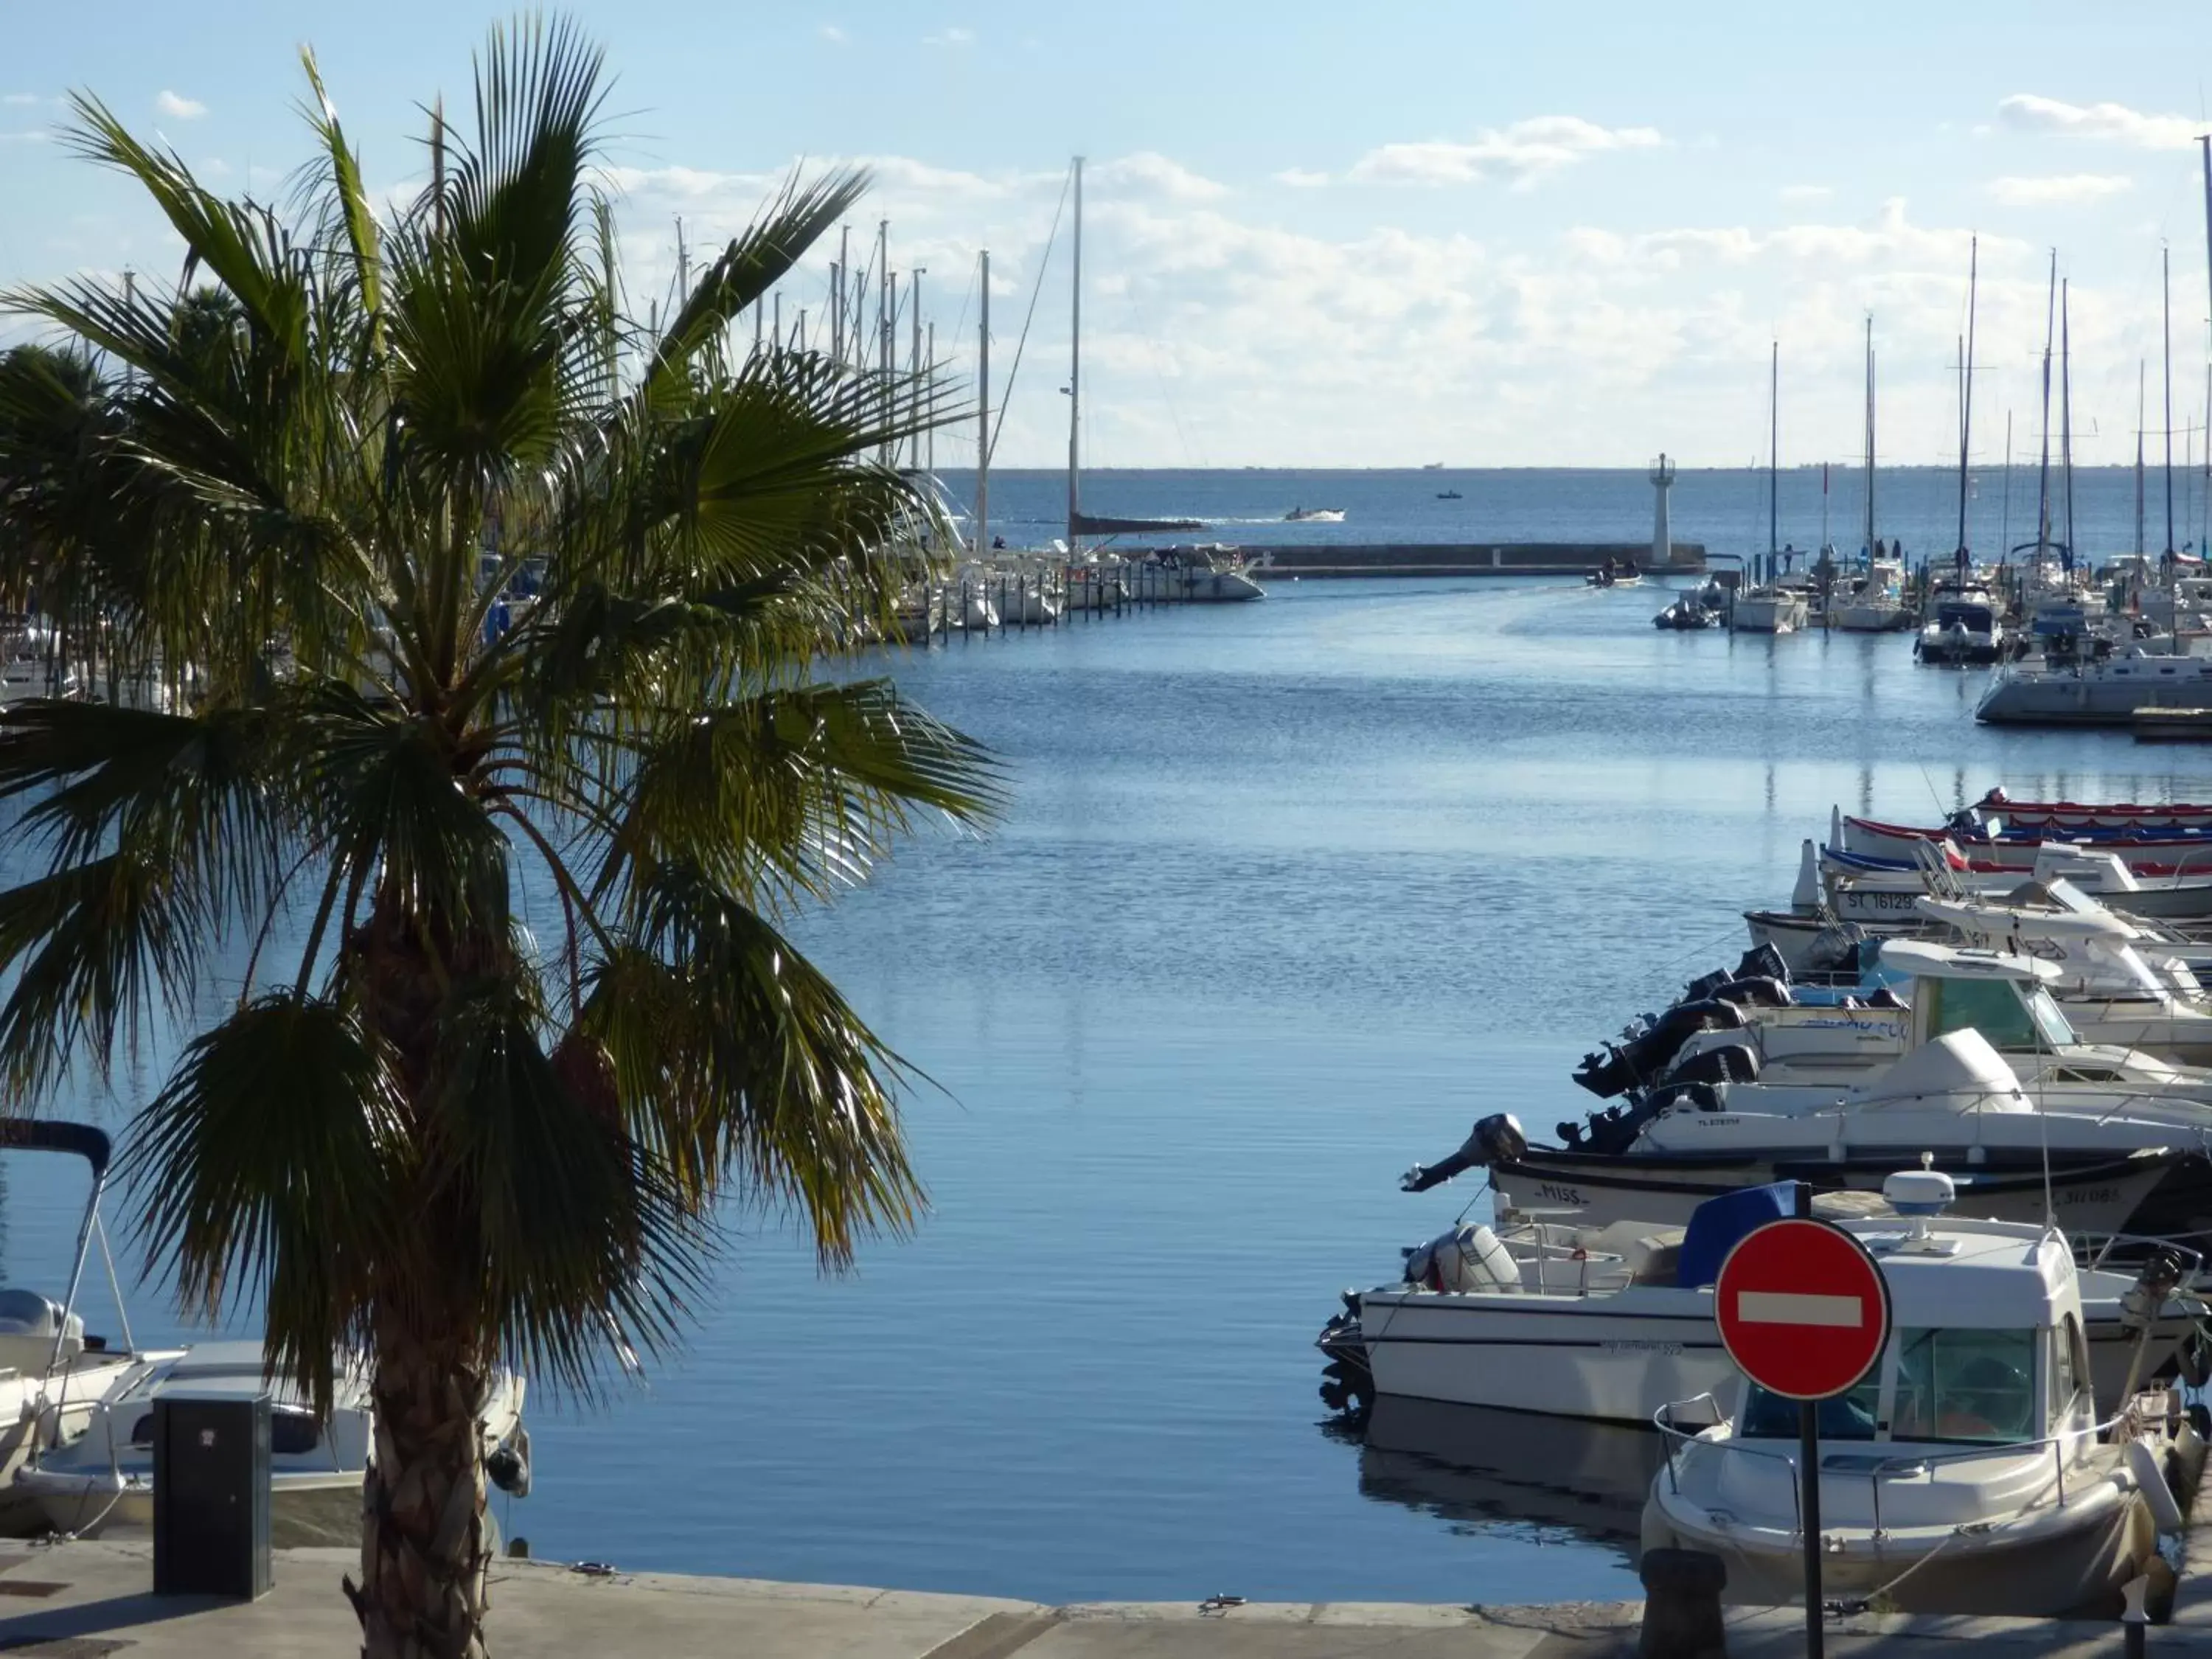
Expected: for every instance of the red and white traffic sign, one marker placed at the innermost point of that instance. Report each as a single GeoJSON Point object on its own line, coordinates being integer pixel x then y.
{"type": "Point", "coordinates": [1802, 1308]}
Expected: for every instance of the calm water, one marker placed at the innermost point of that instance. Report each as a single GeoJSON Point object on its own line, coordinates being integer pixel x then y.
{"type": "Point", "coordinates": [1290, 893]}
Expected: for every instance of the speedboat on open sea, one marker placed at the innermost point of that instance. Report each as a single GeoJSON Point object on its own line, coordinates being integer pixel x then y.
{"type": "Point", "coordinates": [1973, 1471]}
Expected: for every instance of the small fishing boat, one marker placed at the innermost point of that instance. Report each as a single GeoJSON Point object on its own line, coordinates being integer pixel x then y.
{"type": "Point", "coordinates": [1965, 627]}
{"type": "Point", "coordinates": [106, 1477]}
{"type": "Point", "coordinates": [1973, 1471]}
{"type": "Point", "coordinates": [1448, 495]}
{"type": "Point", "coordinates": [1314, 515]}
{"type": "Point", "coordinates": [1986, 843]}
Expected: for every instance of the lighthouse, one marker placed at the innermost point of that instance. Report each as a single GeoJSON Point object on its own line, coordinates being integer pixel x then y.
{"type": "Point", "coordinates": [1662, 532]}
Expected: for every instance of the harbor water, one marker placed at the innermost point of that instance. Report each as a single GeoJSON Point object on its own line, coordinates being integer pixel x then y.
{"type": "Point", "coordinates": [1287, 896]}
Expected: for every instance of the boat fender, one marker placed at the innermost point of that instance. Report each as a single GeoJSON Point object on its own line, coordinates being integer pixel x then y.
{"type": "Point", "coordinates": [2150, 1479]}
{"type": "Point", "coordinates": [509, 1467]}
{"type": "Point", "coordinates": [2193, 1360]}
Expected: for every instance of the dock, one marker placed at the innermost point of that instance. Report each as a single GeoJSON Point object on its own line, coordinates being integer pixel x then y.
{"type": "Point", "coordinates": [82, 1599]}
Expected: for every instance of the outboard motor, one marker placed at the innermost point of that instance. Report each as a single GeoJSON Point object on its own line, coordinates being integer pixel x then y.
{"type": "Point", "coordinates": [1756, 991]}
{"type": "Point", "coordinates": [1731, 1062]}
{"type": "Point", "coordinates": [1496, 1140]}
{"type": "Point", "coordinates": [1763, 962]}
{"type": "Point", "coordinates": [1626, 1066]}
{"type": "Point", "coordinates": [1467, 1258]}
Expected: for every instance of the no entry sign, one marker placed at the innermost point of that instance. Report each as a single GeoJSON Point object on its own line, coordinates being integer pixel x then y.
{"type": "Point", "coordinates": [1802, 1309]}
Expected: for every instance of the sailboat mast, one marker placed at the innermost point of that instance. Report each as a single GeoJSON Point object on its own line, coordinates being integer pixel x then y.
{"type": "Point", "coordinates": [984, 414]}
{"type": "Point", "coordinates": [1966, 383]}
{"type": "Point", "coordinates": [2042, 470]}
{"type": "Point", "coordinates": [1075, 371]}
{"type": "Point", "coordinates": [2004, 535]}
{"type": "Point", "coordinates": [2165, 272]}
{"type": "Point", "coordinates": [2140, 407]}
{"type": "Point", "coordinates": [2066, 418]}
{"type": "Point", "coordinates": [913, 354]}
{"type": "Point", "coordinates": [838, 273]}
{"type": "Point", "coordinates": [1869, 444]}
{"type": "Point", "coordinates": [1773, 458]}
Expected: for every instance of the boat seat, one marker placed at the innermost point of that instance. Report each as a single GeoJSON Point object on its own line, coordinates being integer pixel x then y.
{"type": "Point", "coordinates": [1647, 1254]}
{"type": "Point", "coordinates": [29, 1324]}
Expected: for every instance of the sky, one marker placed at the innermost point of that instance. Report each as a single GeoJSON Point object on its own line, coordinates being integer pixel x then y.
{"type": "Point", "coordinates": [1318, 235]}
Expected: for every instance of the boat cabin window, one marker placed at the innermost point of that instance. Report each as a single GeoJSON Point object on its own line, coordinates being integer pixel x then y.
{"type": "Point", "coordinates": [1997, 1009]}
{"type": "Point", "coordinates": [1853, 1416]}
{"type": "Point", "coordinates": [1977, 1386]}
{"type": "Point", "coordinates": [2069, 1366]}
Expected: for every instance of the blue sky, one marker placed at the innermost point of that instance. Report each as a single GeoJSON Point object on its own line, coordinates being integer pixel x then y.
{"type": "Point", "coordinates": [1321, 234]}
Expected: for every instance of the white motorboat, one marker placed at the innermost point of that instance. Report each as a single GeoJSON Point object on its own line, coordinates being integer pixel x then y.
{"type": "Point", "coordinates": [2107, 692]}
{"type": "Point", "coordinates": [1883, 893]}
{"type": "Point", "coordinates": [1768, 609]}
{"type": "Point", "coordinates": [1610, 1324]}
{"type": "Point", "coordinates": [106, 1477]}
{"type": "Point", "coordinates": [1314, 515]}
{"type": "Point", "coordinates": [54, 1377]}
{"type": "Point", "coordinates": [1965, 627]}
{"type": "Point", "coordinates": [1972, 1472]}
{"type": "Point", "coordinates": [1209, 575]}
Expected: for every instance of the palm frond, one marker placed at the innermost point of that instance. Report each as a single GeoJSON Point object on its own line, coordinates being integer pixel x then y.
{"type": "Point", "coordinates": [275, 1159]}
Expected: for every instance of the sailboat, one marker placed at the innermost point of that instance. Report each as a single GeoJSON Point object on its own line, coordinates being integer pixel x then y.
{"type": "Point", "coordinates": [1770, 608]}
{"type": "Point", "coordinates": [1876, 604]}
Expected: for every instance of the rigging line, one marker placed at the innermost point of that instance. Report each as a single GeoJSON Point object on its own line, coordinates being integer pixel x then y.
{"type": "Point", "coordinates": [1007, 396]}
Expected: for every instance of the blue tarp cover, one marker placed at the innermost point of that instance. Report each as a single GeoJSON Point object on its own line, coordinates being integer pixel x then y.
{"type": "Point", "coordinates": [1719, 1223]}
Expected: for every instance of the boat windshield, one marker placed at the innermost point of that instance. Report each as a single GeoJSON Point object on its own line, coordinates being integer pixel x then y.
{"type": "Point", "coordinates": [1977, 1386]}
{"type": "Point", "coordinates": [2008, 1015]}
{"type": "Point", "coordinates": [1853, 1416]}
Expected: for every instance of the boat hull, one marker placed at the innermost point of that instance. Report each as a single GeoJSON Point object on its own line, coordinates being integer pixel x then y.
{"type": "Point", "coordinates": [1553, 1356]}
{"type": "Point", "coordinates": [2073, 1567]}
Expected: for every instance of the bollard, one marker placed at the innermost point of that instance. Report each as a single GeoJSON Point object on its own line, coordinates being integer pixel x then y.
{"type": "Point", "coordinates": [1682, 1604]}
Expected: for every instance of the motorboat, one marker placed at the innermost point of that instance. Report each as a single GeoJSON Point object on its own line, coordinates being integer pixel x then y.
{"type": "Point", "coordinates": [2102, 692]}
{"type": "Point", "coordinates": [1610, 1324]}
{"type": "Point", "coordinates": [55, 1376]}
{"type": "Point", "coordinates": [1314, 515]}
{"type": "Point", "coordinates": [1768, 609]}
{"type": "Point", "coordinates": [1209, 575]}
{"type": "Point", "coordinates": [1973, 1471]}
{"type": "Point", "coordinates": [1965, 627]}
{"type": "Point", "coordinates": [1985, 844]}
{"type": "Point", "coordinates": [106, 1477]}
{"type": "Point", "coordinates": [1876, 892]}
{"type": "Point", "coordinates": [1686, 614]}
{"type": "Point", "coordinates": [1448, 495]}
{"type": "Point", "coordinates": [1614, 573]}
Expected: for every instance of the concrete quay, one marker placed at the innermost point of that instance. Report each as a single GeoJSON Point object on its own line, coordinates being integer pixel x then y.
{"type": "Point", "coordinates": [89, 1600]}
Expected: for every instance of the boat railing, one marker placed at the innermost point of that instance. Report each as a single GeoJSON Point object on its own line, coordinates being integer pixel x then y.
{"type": "Point", "coordinates": [2068, 1445]}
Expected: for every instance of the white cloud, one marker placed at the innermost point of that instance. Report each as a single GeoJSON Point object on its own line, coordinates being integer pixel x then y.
{"type": "Point", "coordinates": [2029, 112]}
{"type": "Point", "coordinates": [1806, 192]}
{"type": "Point", "coordinates": [835, 35]}
{"type": "Point", "coordinates": [2057, 189]}
{"type": "Point", "coordinates": [178, 107]}
{"type": "Point", "coordinates": [30, 137]}
{"type": "Point", "coordinates": [1521, 153]}
{"type": "Point", "coordinates": [952, 37]}
{"type": "Point", "coordinates": [1150, 174]}
{"type": "Point", "coordinates": [1299, 178]}
{"type": "Point", "coordinates": [21, 100]}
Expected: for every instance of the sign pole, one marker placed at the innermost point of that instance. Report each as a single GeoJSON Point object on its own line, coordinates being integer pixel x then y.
{"type": "Point", "coordinates": [1809, 1485]}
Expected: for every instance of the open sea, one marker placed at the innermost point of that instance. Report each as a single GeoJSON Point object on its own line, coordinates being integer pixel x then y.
{"type": "Point", "coordinates": [1288, 895]}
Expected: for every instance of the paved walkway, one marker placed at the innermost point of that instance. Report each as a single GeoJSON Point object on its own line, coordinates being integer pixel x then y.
{"type": "Point", "coordinates": [86, 1601]}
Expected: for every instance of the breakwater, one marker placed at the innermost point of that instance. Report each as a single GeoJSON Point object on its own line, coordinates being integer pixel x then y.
{"type": "Point", "coordinates": [1464, 558]}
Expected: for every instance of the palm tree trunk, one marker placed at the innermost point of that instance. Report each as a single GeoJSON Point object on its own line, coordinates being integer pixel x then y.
{"type": "Point", "coordinates": [425, 1543]}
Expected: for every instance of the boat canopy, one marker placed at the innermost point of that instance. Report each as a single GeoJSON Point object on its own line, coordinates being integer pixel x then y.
{"type": "Point", "coordinates": [34, 1134]}
{"type": "Point", "coordinates": [1719, 1224]}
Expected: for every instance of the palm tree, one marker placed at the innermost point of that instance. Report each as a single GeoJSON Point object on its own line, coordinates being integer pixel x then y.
{"type": "Point", "coordinates": [519, 1019]}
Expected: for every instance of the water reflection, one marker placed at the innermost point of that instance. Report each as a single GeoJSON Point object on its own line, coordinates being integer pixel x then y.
{"type": "Point", "coordinates": [1476, 1469]}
